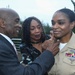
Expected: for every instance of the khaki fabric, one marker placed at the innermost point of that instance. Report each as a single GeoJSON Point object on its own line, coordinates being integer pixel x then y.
{"type": "Point", "coordinates": [65, 63]}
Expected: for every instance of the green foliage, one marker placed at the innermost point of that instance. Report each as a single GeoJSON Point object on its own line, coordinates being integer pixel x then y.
{"type": "Point", "coordinates": [74, 29]}
{"type": "Point", "coordinates": [47, 28]}
{"type": "Point", "coordinates": [21, 22]}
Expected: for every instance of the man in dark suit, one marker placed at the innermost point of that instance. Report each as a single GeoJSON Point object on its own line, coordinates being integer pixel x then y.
{"type": "Point", "coordinates": [9, 64]}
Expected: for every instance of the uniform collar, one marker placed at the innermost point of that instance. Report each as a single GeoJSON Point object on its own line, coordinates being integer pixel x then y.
{"type": "Point", "coordinates": [70, 44]}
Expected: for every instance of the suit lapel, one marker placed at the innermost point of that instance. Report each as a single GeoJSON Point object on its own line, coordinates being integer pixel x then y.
{"type": "Point", "coordinates": [7, 42]}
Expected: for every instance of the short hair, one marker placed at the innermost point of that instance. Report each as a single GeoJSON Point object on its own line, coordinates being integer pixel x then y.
{"type": "Point", "coordinates": [69, 13]}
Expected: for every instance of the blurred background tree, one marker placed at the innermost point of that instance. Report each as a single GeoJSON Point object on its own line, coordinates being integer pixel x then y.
{"type": "Point", "coordinates": [74, 12]}
{"type": "Point", "coordinates": [46, 27]}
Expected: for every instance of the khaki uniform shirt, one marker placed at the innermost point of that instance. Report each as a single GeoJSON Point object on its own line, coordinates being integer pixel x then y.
{"type": "Point", "coordinates": [65, 60]}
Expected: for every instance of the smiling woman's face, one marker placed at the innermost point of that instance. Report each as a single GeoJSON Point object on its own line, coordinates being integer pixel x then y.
{"type": "Point", "coordinates": [62, 27]}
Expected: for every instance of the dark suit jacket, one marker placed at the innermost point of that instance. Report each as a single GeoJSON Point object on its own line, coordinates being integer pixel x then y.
{"type": "Point", "coordinates": [9, 64]}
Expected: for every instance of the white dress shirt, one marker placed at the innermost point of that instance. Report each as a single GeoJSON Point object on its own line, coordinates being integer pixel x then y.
{"type": "Point", "coordinates": [10, 41]}
{"type": "Point", "coordinates": [61, 46]}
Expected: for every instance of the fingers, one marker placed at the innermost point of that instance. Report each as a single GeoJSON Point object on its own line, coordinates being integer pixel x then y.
{"type": "Point", "coordinates": [51, 34]}
{"type": "Point", "coordinates": [48, 43]}
{"type": "Point", "coordinates": [54, 47]}
{"type": "Point", "coordinates": [56, 51]}
{"type": "Point", "coordinates": [45, 45]}
{"type": "Point", "coordinates": [51, 45]}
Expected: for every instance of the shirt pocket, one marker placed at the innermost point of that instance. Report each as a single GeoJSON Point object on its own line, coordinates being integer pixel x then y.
{"type": "Point", "coordinates": [69, 60]}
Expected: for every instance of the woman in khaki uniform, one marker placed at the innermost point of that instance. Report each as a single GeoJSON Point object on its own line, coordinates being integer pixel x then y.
{"type": "Point", "coordinates": [63, 21]}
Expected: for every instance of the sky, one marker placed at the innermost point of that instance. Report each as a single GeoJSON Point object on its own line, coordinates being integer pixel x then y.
{"type": "Point", "coordinates": [42, 9]}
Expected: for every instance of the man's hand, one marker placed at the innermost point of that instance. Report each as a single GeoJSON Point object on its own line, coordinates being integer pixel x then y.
{"type": "Point", "coordinates": [51, 45]}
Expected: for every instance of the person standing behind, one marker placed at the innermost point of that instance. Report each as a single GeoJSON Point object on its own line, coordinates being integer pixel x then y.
{"type": "Point", "coordinates": [63, 21]}
{"type": "Point", "coordinates": [9, 63]}
{"type": "Point", "coordinates": [32, 39]}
